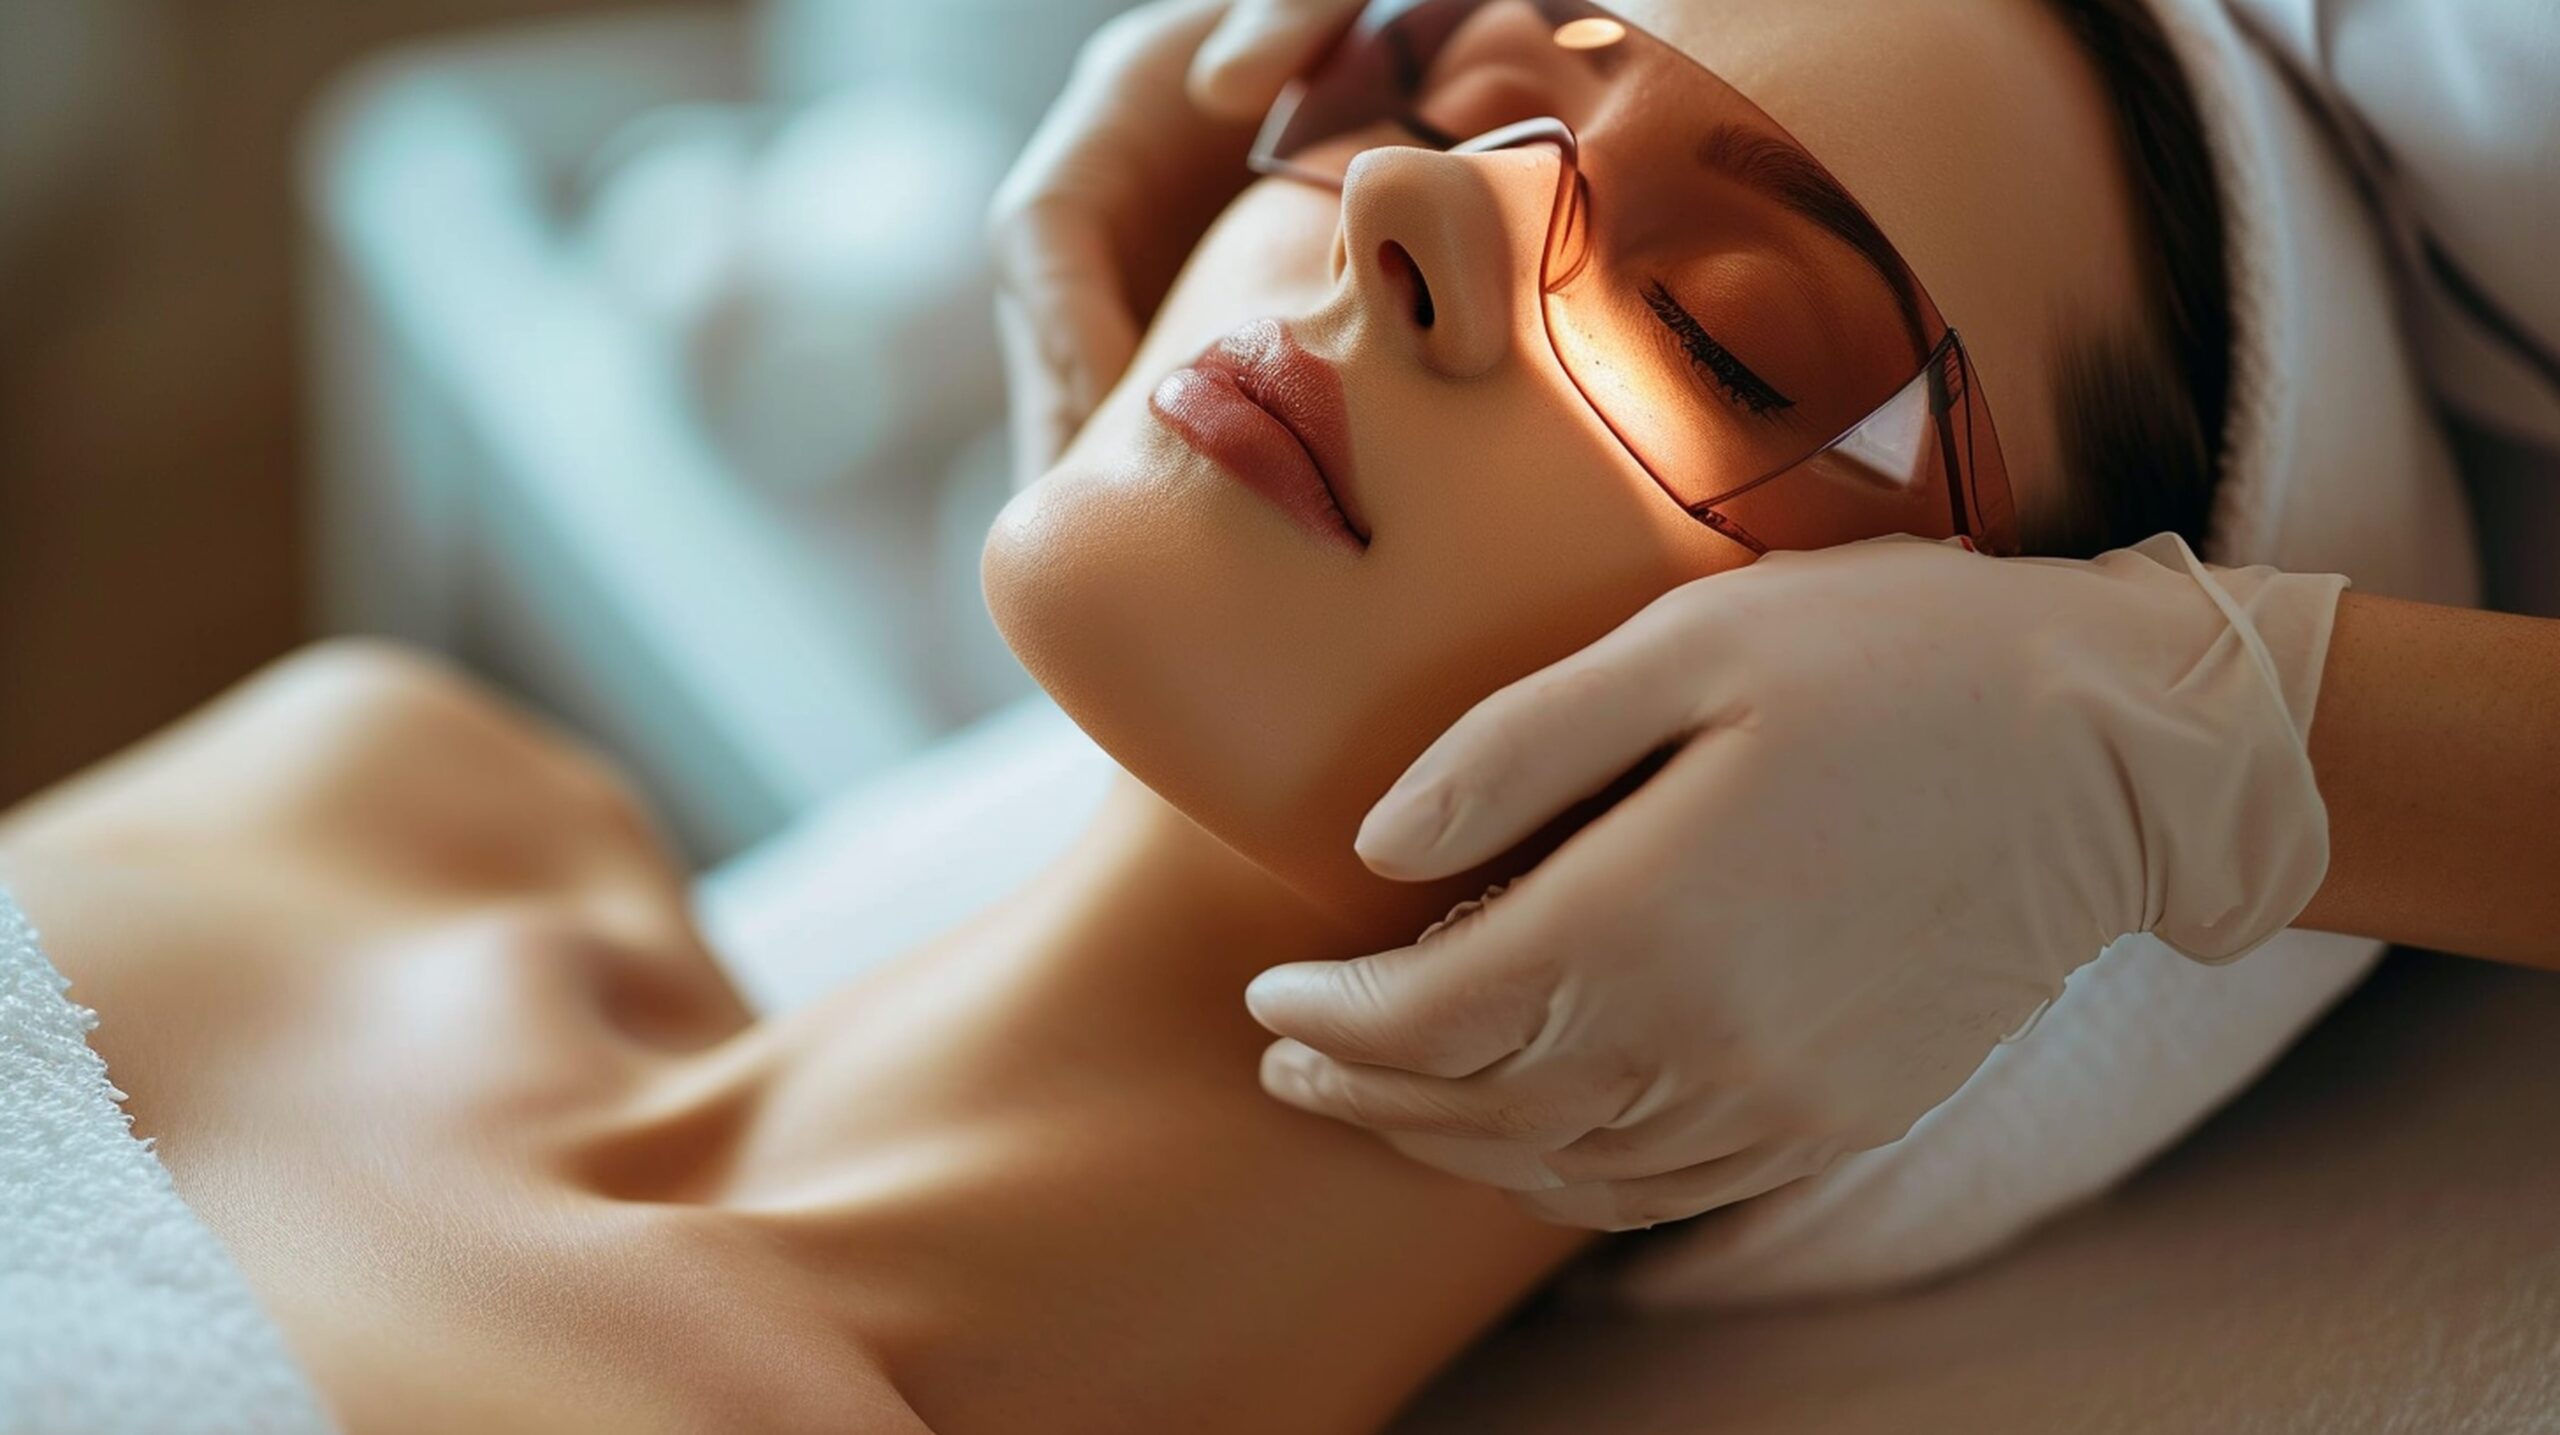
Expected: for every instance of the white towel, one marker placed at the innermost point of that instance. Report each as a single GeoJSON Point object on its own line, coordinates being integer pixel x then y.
{"type": "Point", "coordinates": [120, 1314]}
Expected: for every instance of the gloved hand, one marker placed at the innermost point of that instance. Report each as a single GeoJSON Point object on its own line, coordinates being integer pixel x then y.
{"type": "Point", "coordinates": [1143, 150]}
{"type": "Point", "coordinates": [1914, 788]}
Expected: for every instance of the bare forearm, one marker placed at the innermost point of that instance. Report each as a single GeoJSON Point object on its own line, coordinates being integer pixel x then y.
{"type": "Point", "coordinates": [2437, 744]}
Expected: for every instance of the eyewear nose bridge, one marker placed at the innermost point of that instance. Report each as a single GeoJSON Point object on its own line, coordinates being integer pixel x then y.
{"type": "Point", "coordinates": [1548, 130]}
{"type": "Point", "coordinates": [1560, 262]}
{"type": "Point", "coordinates": [1544, 130]}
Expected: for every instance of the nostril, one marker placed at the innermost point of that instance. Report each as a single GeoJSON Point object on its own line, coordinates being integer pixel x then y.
{"type": "Point", "coordinates": [1406, 275]}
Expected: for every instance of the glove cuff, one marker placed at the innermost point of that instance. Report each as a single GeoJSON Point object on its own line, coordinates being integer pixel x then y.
{"type": "Point", "coordinates": [2252, 844]}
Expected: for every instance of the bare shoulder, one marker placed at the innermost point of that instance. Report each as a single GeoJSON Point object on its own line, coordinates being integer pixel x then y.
{"type": "Point", "coordinates": [363, 754]}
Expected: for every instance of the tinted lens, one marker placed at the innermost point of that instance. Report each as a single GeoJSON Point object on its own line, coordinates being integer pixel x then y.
{"type": "Point", "coordinates": [1891, 473]}
{"type": "Point", "coordinates": [1725, 306]}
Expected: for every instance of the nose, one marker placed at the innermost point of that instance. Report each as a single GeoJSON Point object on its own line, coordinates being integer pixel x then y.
{"type": "Point", "coordinates": [1445, 249]}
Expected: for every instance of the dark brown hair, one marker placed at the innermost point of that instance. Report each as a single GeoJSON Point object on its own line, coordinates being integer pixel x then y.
{"type": "Point", "coordinates": [2142, 404]}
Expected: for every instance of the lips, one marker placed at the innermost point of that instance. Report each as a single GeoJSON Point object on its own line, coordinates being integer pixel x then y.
{"type": "Point", "coordinates": [1272, 415]}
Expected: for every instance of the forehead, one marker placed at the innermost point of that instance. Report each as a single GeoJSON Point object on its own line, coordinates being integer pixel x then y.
{"type": "Point", "coordinates": [1978, 136]}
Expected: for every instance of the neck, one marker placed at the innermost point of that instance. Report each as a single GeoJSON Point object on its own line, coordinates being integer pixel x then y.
{"type": "Point", "coordinates": [1142, 940]}
{"type": "Point", "coordinates": [1148, 885]}
{"type": "Point", "coordinates": [1039, 1147]}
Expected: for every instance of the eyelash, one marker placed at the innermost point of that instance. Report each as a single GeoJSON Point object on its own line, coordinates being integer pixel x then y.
{"type": "Point", "coordinates": [1715, 360]}
{"type": "Point", "coordinates": [1431, 136]}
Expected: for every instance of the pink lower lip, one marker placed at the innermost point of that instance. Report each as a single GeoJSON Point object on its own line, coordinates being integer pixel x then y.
{"type": "Point", "coordinates": [1209, 405]}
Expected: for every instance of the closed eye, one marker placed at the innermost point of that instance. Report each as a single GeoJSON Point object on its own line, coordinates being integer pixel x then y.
{"type": "Point", "coordinates": [1741, 387]}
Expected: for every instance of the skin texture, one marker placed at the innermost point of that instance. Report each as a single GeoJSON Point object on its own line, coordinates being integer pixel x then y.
{"type": "Point", "coordinates": [2437, 726]}
{"type": "Point", "coordinates": [406, 990]}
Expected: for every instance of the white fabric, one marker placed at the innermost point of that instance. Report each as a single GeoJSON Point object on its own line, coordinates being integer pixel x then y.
{"type": "Point", "coordinates": [2142, 1046]}
{"type": "Point", "coordinates": [2334, 463]}
{"type": "Point", "coordinates": [2452, 110]}
{"type": "Point", "coordinates": [906, 857]}
{"type": "Point", "coordinates": [120, 1314]}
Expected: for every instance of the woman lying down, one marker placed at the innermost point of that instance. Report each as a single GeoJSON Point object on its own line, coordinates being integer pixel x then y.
{"type": "Point", "coordinates": [407, 996]}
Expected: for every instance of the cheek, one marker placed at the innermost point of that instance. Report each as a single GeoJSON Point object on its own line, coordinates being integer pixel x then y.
{"type": "Point", "coordinates": [1527, 535]}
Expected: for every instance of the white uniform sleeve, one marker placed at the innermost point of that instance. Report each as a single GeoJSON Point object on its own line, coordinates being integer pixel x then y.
{"type": "Point", "coordinates": [2452, 107]}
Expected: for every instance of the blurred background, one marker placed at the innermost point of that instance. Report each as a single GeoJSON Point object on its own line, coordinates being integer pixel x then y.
{"type": "Point", "coordinates": [639, 358]}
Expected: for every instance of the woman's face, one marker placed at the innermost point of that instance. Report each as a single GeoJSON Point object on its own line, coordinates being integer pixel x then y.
{"type": "Point", "coordinates": [1270, 660]}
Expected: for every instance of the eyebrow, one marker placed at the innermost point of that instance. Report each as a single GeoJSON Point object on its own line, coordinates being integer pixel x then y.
{"type": "Point", "coordinates": [1787, 175]}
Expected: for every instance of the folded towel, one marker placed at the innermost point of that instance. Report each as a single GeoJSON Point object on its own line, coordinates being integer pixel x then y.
{"type": "Point", "coordinates": [120, 1314]}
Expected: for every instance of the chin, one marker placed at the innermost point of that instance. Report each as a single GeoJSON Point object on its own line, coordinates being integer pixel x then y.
{"type": "Point", "coordinates": [1187, 633]}
{"type": "Point", "coordinates": [1133, 595]}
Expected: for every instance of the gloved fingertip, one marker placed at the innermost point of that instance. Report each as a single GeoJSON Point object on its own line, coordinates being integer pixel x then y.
{"type": "Point", "coordinates": [1286, 1068]}
{"type": "Point", "coordinates": [1269, 996]}
{"type": "Point", "coordinates": [1244, 64]}
{"type": "Point", "coordinates": [1231, 81]}
{"type": "Point", "coordinates": [1592, 1206]}
{"type": "Point", "coordinates": [1403, 834]}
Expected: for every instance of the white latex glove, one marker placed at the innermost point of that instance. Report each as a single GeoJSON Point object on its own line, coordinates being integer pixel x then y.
{"type": "Point", "coordinates": [1913, 789]}
{"type": "Point", "coordinates": [1143, 150]}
